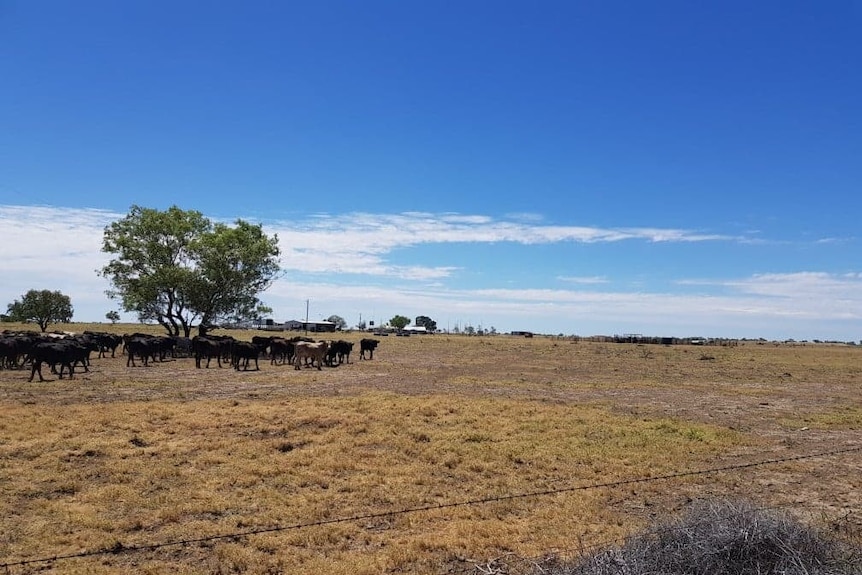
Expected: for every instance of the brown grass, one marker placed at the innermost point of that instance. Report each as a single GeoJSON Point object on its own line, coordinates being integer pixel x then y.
{"type": "Point", "coordinates": [122, 457]}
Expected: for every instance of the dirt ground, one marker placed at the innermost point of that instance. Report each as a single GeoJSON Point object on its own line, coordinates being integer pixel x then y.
{"type": "Point", "coordinates": [792, 400]}
{"type": "Point", "coordinates": [749, 387]}
{"type": "Point", "coordinates": [760, 388]}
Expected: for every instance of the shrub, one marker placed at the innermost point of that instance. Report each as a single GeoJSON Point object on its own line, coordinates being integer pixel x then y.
{"type": "Point", "coordinates": [724, 538]}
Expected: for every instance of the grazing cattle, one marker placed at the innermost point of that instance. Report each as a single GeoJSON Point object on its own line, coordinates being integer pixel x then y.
{"type": "Point", "coordinates": [59, 334]}
{"type": "Point", "coordinates": [263, 343]}
{"type": "Point", "coordinates": [339, 351]}
{"type": "Point", "coordinates": [52, 353]}
{"type": "Point", "coordinates": [210, 346]}
{"type": "Point", "coordinates": [144, 348]}
{"type": "Point", "coordinates": [331, 357]}
{"type": "Point", "coordinates": [105, 342]}
{"type": "Point", "coordinates": [243, 352]}
{"type": "Point", "coordinates": [182, 347]}
{"type": "Point", "coordinates": [316, 352]}
{"type": "Point", "coordinates": [77, 349]}
{"type": "Point", "coordinates": [281, 351]}
{"type": "Point", "coordinates": [295, 340]}
{"type": "Point", "coordinates": [81, 346]}
{"type": "Point", "coordinates": [155, 347]}
{"type": "Point", "coordinates": [14, 347]}
{"type": "Point", "coordinates": [369, 345]}
{"type": "Point", "coordinates": [164, 346]}
{"type": "Point", "coordinates": [129, 336]}
{"type": "Point", "coordinates": [8, 353]}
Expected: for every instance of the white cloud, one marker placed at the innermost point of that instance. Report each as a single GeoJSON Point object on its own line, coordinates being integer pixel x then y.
{"type": "Point", "coordinates": [349, 257]}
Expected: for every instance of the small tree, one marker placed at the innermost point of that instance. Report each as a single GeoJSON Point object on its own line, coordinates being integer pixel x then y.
{"type": "Point", "coordinates": [41, 307]}
{"type": "Point", "coordinates": [339, 321]}
{"type": "Point", "coordinates": [113, 316]}
{"type": "Point", "coordinates": [399, 322]}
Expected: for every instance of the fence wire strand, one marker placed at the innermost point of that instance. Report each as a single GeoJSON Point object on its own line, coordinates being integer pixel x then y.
{"type": "Point", "coordinates": [119, 547]}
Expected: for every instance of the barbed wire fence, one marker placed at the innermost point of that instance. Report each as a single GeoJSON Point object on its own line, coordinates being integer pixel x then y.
{"type": "Point", "coordinates": [511, 563]}
{"type": "Point", "coordinates": [120, 548]}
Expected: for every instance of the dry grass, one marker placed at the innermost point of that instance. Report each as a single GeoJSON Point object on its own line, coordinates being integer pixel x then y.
{"type": "Point", "coordinates": [121, 457]}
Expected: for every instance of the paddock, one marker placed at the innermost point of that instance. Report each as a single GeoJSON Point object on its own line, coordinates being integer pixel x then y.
{"type": "Point", "coordinates": [427, 459]}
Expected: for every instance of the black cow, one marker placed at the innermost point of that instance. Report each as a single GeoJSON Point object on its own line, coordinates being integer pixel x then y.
{"type": "Point", "coordinates": [11, 350]}
{"type": "Point", "coordinates": [369, 345]}
{"type": "Point", "coordinates": [129, 336]}
{"type": "Point", "coordinates": [242, 352]}
{"type": "Point", "coordinates": [182, 346]}
{"type": "Point", "coordinates": [263, 343]}
{"type": "Point", "coordinates": [81, 346]}
{"type": "Point", "coordinates": [280, 348]}
{"type": "Point", "coordinates": [146, 348]}
{"type": "Point", "coordinates": [53, 353]}
{"type": "Point", "coordinates": [331, 357]}
{"type": "Point", "coordinates": [105, 341]}
{"type": "Point", "coordinates": [208, 346]}
{"type": "Point", "coordinates": [8, 352]}
{"type": "Point", "coordinates": [339, 351]}
{"type": "Point", "coordinates": [14, 348]}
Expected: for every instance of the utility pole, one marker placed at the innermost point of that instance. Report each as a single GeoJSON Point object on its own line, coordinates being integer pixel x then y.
{"type": "Point", "coordinates": [306, 317]}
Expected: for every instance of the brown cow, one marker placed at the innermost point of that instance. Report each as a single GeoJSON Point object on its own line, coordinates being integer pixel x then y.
{"type": "Point", "coordinates": [307, 350]}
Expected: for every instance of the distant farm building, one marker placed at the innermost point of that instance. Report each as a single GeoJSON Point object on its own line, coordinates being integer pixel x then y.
{"type": "Point", "coordinates": [316, 326]}
{"type": "Point", "coordinates": [415, 329]}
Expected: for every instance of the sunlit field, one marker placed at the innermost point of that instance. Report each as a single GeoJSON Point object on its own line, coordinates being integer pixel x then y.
{"type": "Point", "coordinates": [440, 455]}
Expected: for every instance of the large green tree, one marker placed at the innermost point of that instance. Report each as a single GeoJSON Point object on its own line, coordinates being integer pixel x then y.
{"type": "Point", "coordinates": [176, 267]}
{"type": "Point", "coordinates": [429, 324]}
{"type": "Point", "coordinates": [399, 321]}
{"type": "Point", "coordinates": [41, 307]}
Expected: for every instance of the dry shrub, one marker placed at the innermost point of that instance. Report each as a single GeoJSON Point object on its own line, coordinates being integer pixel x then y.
{"type": "Point", "coordinates": [724, 538]}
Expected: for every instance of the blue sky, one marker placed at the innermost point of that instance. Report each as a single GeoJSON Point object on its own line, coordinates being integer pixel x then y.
{"type": "Point", "coordinates": [665, 168]}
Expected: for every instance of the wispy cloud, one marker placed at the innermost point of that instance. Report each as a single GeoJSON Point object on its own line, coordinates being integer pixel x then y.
{"type": "Point", "coordinates": [842, 289]}
{"type": "Point", "coordinates": [591, 280]}
{"type": "Point", "coordinates": [344, 265]}
{"type": "Point", "coordinates": [358, 242]}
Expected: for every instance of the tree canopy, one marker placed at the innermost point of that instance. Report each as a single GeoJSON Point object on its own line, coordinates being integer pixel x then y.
{"type": "Point", "coordinates": [339, 321]}
{"type": "Point", "coordinates": [399, 322]}
{"type": "Point", "coordinates": [176, 267]}
{"type": "Point", "coordinates": [41, 307]}
{"type": "Point", "coordinates": [429, 324]}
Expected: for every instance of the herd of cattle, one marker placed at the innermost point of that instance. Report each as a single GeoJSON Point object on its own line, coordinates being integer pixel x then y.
{"type": "Point", "coordinates": [63, 352]}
